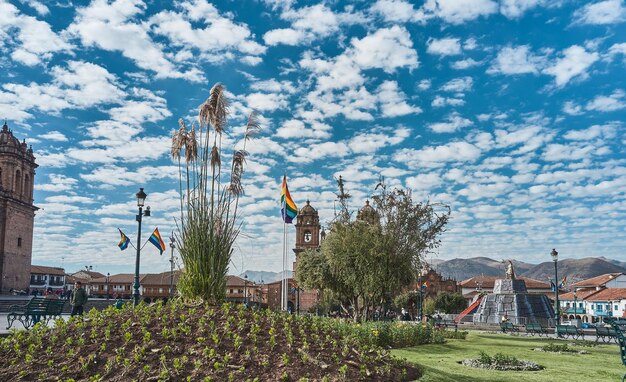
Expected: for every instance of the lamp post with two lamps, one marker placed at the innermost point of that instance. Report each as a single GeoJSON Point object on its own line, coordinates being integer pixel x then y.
{"type": "Point", "coordinates": [172, 246]}
{"type": "Point", "coordinates": [108, 276]}
{"type": "Point", "coordinates": [245, 289]}
{"type": "Point", "coordinates": [555, 258]}
{"type": "Point", "coordinates": [141, 198]}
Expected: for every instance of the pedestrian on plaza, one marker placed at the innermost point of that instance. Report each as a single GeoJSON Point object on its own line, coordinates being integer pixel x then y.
{"type": "Point", "coordinates": [50, 295]}
{"type": "Point", "coordinates": [79, 298]}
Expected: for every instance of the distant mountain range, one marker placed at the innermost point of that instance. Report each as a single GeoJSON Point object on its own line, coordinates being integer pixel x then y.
{"type": "Point", "coordinates": [264, 276]}
{"type": "Point", "coordinates": [574, 269]}
{"type": "Point", "coordinates": [461, 269]}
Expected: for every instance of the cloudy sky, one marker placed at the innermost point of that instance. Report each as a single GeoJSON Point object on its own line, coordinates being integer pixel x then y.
{"type": "Point", "coordinates": [511, 111]}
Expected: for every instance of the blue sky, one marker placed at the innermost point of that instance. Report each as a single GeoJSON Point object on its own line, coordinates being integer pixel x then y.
{"type": "Point", "coordinates": [512, 112]}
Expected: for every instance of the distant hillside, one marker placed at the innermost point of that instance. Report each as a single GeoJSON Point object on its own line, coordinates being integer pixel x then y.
{"type": "Point", "coordinates": [575, 269]}
{"type": "Point", "coordinates": [462, 269]}
{"type": "Point", "coordinates": [267, 277]}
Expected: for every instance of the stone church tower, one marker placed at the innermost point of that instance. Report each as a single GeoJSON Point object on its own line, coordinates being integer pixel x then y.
{"type": "Point", "coordinates": [308, 236]}
{"type": "Point", "coordinates": [17, 212]}
{"type": "Point", "coordinates": [307, 231]}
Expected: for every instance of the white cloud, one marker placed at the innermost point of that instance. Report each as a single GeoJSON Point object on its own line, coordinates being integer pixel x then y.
{"type": "Point", "coordinates": [437, 156]}
{"type": "Point", "coordinates": [516, 60]}
{"type": "Point", "coordinates": [393, 101]}
{"type": "Point", "coordinates": [108, 26]}
{"type": "Point", "coordinates": [454, 123]}
{"type": "Point", "coordinates": [515, 8]}
{"type": "Point", "coordinates": [394, 10]}
{"type": "Point", "coordinates": [574, 63]}
{"type": "Point", "coordinates": [41, 9]}
{"type": "Point", "coordinates": [424, 85]}
{"type": "Point", "coordinates": [615, 101]}
{"type": "Point", "coordinates": [308, 24]}
{"type": "Point", "coordinates": [602, 12]}
{"type": "Point", "coordinates": [458, 11]}
{"type": "Point", "coordinates": [121, 176]}
{"type": "Point", "coordinates": [387, 49]}
{"type": "Point", "coordinates": [54, 136]}
{"type": "Point", "coordinates": [34, 41]}
{"type": "Point", "coordinates": [458, 85]}
{"type": "Point", "coordinates": [79, 86]}
{"type": "Point", "coordinates": [607, 131]}
{"type": "Point", "coordinates": [58, 183]}
{"type": "Point", "coordinates": [571, 108]}
{"type": "Point", "coordinates": [465, 64]}
{"type": "Point", "coordinates": [310, 153]}
{"type": "Point", "coordinates": [445, 101]}
{"type": "Point", "coordinates": [370, 142]}
{"type": "Point", "coordinates": [427, 181]}
{"type": "Point", "coordinates": [444, 47]}
{"type": "Point", "coordinates": [285, 36]}
{"type": "Point", "coordinates": [220, 34]}
{"type": "Point", "coordinates": [294, 128]}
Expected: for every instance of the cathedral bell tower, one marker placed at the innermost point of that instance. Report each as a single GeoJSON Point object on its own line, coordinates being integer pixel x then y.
{"type": "Point", "coordinates": [17, 212]}
{"type": "Point", "coordinates": [307, 231]}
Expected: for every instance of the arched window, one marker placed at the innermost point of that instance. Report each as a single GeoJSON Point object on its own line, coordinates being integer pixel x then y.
{"type": "Point", "coordinates": [27, 186]}
{"type": "Point", "coordinates": [17, 187]}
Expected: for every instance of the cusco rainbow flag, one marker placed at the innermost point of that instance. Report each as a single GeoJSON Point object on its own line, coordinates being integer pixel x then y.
{"type": "Point", "coordinates": [288, 208]}
{"type": "Point", "coordinates": [155, 239]}
{"type": "Point", "coordinates": [124, 241]}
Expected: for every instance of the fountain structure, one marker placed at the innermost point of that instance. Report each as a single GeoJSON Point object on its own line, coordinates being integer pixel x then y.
{"type": "Point", "coordinates": [511, 298]}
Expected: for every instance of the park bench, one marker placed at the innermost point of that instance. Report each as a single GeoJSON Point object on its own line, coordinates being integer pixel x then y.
{"type": "Point", "coordinates": [441, 323]}
{"type": "Point", "coordinates": [535, 328]}
{"type": "Point", "coordinates": [37, 309]}
{"type": "Point", "coordinates": [620, 332]}
{"type": "Point", "coordinates": [569, 330]}
{"type": "Point", "coordinates": [605, 333]}
{"type": "Point", "coordinates": [508, 327]}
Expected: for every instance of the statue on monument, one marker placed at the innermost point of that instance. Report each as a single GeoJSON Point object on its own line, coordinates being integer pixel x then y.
{"type": "Point", "coordinates": [510, 273]}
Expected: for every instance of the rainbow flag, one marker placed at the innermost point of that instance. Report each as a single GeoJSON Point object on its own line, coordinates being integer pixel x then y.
{"type": "Point", "coordinates": [563, 282]}
{"type": "Point", "coordinates": [425, 285]}
{"type": "Point", "coordinates": [124, 241]}
{"type": "Point", "coordinates": [288, 208]}
{"type": "Point", "coordinates": [155, 239]}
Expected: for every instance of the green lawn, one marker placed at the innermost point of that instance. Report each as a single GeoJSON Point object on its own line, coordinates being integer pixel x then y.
{"type": "Point", "coordinates": [440, 362]}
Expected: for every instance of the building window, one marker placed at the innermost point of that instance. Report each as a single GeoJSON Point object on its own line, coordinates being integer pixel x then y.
{"type": "Point", "coordinates": [599, 308]}
{"type": "Point", "coordinates": [19, 241]}
{"type": "Point", "coordinates": [615, 307]}
{"type": "Point", "coordinates": [160, 290]}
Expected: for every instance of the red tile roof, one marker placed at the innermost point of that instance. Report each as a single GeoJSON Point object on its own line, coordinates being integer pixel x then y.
{"type": "Point", "coordinates": [581, 294]}
{"type": "Point", "coordinates": [609, 294]}
{"type": "Point", "coordinates": [160, 278]}
{"type": "Point", "coordinates": [233, 281]}
{"type": "Point", "coordinates": [43, 270]}
{"type": "Point", "coordinates": [598, 280]}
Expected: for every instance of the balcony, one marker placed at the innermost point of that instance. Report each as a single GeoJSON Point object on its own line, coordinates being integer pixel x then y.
{"type": "Point", "coordinates": [57, 283]}
{"type": "Point", "coordinates": [37, 282]}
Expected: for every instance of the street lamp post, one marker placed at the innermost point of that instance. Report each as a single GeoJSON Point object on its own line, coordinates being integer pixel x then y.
{"type": "Point", "coordinates": [555, 258]}
{"type": "Point", "coordinates": [420, 309]}
{"type": "Point", "coordinates": [245, 289]}
{"type": "Point", "coordinates": [575, 304]}
{"type": "Point", "coordinates": [141, 198]}
{"type": "Point", "coordinates": [172, 246]}
{"type": "Point", "coordinates": [108, 275]}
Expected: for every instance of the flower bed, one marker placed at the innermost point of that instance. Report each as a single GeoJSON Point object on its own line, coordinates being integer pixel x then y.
{"type": "Point", "coordinates": [174, 342]}
{"type": "Point", "coordinates": [501, 361]}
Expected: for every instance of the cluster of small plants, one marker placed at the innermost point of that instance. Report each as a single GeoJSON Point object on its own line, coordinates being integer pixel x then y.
{"type": "Point", "coordinates": [395, 334]}
{"type": "Point", "coordinates": [501, 361]}
{"type": "Point", "coordinates": [585, 343]}
{"type": "Point", "coordinates": [560, 348]}
{"type": "Point", "coordinates": [176, 342]}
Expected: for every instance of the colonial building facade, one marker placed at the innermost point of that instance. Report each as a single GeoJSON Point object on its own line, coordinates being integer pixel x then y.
{"type": "Point", "coordinates": [17, 212]}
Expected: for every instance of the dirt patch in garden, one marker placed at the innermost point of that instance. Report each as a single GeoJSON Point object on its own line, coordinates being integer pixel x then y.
{"type": "Point", "coordinates": [175, 342]}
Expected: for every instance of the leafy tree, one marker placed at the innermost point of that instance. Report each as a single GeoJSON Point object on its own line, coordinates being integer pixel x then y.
{"type": "Point", "coordinates": [365, 262]}
{"type": "Point", "coordinates": [207, 227]}
{"type": "Point", "coordinates": [429, 306]}
{"type": "Point", "coordinates": [452, 303]}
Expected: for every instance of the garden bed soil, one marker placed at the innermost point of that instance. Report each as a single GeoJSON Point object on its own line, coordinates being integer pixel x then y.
{"type": "Point", "coordinates": [175, 342]}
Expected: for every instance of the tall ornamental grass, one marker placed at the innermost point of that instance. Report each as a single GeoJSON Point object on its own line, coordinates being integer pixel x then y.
{"type": "Point", "coordinates": [207, 227]}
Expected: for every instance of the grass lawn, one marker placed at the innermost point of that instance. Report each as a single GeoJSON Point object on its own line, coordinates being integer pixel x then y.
{"type": "Point", "coordinates": [440, 362]}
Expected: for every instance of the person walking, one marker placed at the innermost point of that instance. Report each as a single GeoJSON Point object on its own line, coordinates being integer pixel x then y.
{"type": "Point", "coordinates": [79, 298]}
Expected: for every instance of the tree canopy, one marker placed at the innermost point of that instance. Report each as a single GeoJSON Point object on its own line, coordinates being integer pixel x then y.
{"type": "Point", "coordinates": [364, 263]}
